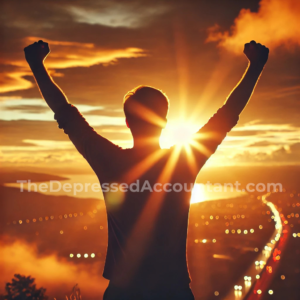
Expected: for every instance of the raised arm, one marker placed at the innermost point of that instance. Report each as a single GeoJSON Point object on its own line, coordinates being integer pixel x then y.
{"type": "Point", "coordinates": [90, 144]}
{"type": "Point", "coordinates": [257, 55]}
{"type": "Point", "coordinates": [211, 135]}
{"type": "Point", "coordinates": [35, 55]}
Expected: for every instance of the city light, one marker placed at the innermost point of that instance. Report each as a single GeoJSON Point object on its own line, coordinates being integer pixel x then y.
{"type": "Point", "coordinates": [232, 221]}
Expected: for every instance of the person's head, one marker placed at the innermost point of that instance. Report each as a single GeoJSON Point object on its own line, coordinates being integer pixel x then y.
{"type": "Point", "coordinates": [146, 110]}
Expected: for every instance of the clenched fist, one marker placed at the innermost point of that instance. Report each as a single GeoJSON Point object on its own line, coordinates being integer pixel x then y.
{"type": "Point", "coordinates": [36, 52]}
{"type": "Point", "coordinates": [256, 53]}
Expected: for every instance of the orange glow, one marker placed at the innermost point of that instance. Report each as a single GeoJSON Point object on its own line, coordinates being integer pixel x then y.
{"type": "Point", "coordinates": [269, 269]}
{"type": "Point", "coordinates": [14, 81]}
{"type": "Point", "coordinates": [275, 24]}
{"type": "Point", "coordinates": [191, 161]}
{"type": "Point", "coordinates": [181, 66]}
{"type": "Point", "coordinates": [64, 55]}
{"type": "Point", "coordinates": [201, 148]}
{"type": "Point", "coordinates": [74, 54]}
{"type": "Point", "coordinates": [23, 258]}
{"type": "Point", "coordinates": [198, 193]}
{"type": "Point", "coordinates": [178, 133]}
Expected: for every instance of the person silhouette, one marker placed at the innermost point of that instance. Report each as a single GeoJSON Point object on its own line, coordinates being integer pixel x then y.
{"type": "Point", "coordinates": [147, 216]}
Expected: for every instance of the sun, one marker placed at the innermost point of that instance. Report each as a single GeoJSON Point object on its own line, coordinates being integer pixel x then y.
{"type": "Point", "coordinates": [178, 133]}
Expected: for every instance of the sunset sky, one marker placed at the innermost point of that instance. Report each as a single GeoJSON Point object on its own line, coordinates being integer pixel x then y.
{"type": "Point", "coordinates": [192, 50]}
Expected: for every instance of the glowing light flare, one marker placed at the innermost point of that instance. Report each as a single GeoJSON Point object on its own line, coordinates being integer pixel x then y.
{"type": "Point", "coordinates": [191, 159]}
{"type": "Point", "coordinates": [142, 167]}
{"type": "Point", "coordinates": [221, 71]}
{"type": "Point", "coordinates": [182, 65]}
{"type": "Point", "coordinates": [198, 194]}
{"type": "Point", "coordinates": [179, 133]}
{"type": "Point", "coordinates": [196, 143]}
{"type": "Point", "coordinates": [269, 269]}
{"type": "Point", "coordinates": [146, 114]}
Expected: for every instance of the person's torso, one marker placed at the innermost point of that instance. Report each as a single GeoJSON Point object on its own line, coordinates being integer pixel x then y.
{"type": "Point", "coordinates": [147, 198]}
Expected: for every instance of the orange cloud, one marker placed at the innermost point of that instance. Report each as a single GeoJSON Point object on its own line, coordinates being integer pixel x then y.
{"type": "Point", "coordinates": [73, 54]}
{"type": "Point", "coordinates": [63, 55]}
{"type": "Point", "coordinates": [58, 276]}
{"type": "Point", "coordinates": [275, 24]}
{"type": "Point", "coordinates": [14, 81]}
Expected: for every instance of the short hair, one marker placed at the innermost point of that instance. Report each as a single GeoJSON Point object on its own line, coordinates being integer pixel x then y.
{"type": "Point", "coordinates": [149, 97]}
